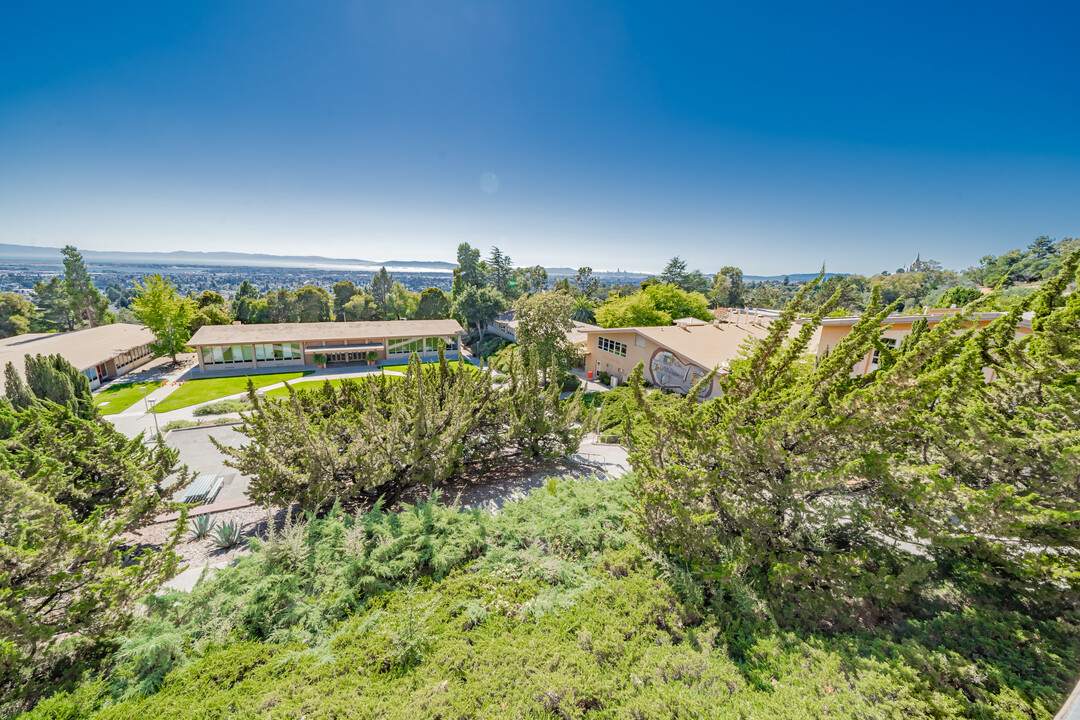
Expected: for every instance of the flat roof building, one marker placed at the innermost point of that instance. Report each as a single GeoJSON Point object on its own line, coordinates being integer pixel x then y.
{"type": "Point", "coordinates": [675, 356]}
{"type": "Point", "coordinates": [272, 345]}
{"type": "Point", "coordinates": [101, 353]}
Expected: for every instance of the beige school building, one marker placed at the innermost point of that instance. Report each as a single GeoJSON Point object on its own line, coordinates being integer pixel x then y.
{"type": "Point", "coordinates": [101, 353]}
{"type": "Point", "coordinates": [675, 356]}
{"type": "Point", "coordinates": [896, 327]}
{"type": "Point", "coordinates": [274, 345]}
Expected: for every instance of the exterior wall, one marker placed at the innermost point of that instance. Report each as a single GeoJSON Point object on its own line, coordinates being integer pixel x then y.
{"type": "Point", "coordinates": [119, 365]}
{"type": "Point", "coordinates": [501, 329]}
{"type": "Point", "coordinates": [302, 353]}
{"type": "Point", "coordinates": [663, 368]}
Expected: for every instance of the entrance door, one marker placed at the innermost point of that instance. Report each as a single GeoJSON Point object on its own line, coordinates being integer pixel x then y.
{"type": "Point", "coordinates": [101, 372]}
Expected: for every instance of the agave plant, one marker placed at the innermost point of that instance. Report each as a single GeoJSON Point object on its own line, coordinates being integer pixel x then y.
{"type": "Point", "coordinates": [201, 526]}
{"type": "Point", "coordinates": [227, 535]}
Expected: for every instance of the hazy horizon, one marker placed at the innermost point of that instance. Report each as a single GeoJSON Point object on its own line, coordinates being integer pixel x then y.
{"type": "Point", "coordinates": [771, 138]}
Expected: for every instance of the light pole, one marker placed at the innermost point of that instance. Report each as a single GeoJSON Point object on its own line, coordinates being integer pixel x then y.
{"type": "Point", "coordinates": [142, 389]}
{"type": "Point", "coordinates": [156, 428]}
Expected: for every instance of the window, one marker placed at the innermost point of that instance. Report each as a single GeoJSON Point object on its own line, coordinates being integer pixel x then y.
{"type": "Point", "coordinates": [889, 342]}
{"type": "Point", "coordinates": [615, 348]}
{"type": "Point", "coordinates": [406, 346]}
{"type": "Point", "coordinates": [246, 352]}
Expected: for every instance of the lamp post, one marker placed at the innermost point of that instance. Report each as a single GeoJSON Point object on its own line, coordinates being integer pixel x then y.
{"type": "Point", "coordinates": [142, 389]}
{"type": "Point", "coordinates": [156, 428]}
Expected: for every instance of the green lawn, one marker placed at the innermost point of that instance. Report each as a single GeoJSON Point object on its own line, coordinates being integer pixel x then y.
{"type": "Point", "coordinates": [315, 384]}
{"type": "Point", "coordinates": [119, 397]}
{"type": "Point", "coordinates": [306, 385]}
{"type": "Point", "coordinates": [194, 392]}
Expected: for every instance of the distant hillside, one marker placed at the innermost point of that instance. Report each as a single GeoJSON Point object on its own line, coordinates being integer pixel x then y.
{"type": "Point", "coordinates": [51, 255]}
{"type": "Point", "coordinates": [794, 277]}
{"type": "Point", "coordinates": [27, 253]}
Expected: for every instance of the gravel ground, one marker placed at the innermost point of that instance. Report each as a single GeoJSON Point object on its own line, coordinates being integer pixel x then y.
{"type": "Point", "coordinates": [199, 553]}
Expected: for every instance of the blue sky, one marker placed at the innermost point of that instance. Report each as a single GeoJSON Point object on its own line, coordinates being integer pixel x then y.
{"type": "Point", "coordinates": [772, 136]}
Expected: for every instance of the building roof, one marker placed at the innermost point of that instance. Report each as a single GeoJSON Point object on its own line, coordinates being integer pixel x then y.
{"type": "Point", "coordinates": [82, 348]}
{"type": "Point", "coordinates": [706, 345]}
{"type": "Point", "coordinates": [579, 335]}
{"type": "Point", "coordinates": [316, 331]}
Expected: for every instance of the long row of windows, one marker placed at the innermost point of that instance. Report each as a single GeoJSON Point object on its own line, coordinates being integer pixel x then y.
{"type": "Point", "coordinates": [125, 359]}
{"type": "Point", "coordinates": [220, 354]}
{"type": "Point", "coordinates": [420, 345]}
{"type": "Point", "coordinates": [615, 348]}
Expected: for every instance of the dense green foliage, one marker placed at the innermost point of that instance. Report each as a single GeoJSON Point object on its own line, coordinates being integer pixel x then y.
{"type": "Point", "coordinates": [85, 301]}
{"type": "Point", "coordinates": [16, 313]}
{"type": "Point", "coordinates": [69, 489]}
{"type": "Point", "coordinates": [835, 499]}
{"type": "Point", "coordinates": [550, 610]}
{"type": "Point", "coordinates": [653, 305]}
{"type": "Point", "coordinates": [1041, 260]}
{"type": "Point", "coordinates": [382, 434]}
{"type": "Point", "coordinates": [543, 321]}
{"type": "Point", "coordinates": [168, 314]}
{"type": "Point", "coordinates": [618, 410]}
{"type": "Point", "coordinates": [51, 378]}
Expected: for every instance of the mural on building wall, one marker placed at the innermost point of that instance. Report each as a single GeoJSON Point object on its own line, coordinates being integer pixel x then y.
{"type": "Point", "coordinates": [670, 373]}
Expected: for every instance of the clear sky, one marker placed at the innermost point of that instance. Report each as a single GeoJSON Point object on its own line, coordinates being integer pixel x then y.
{"type": "Point", "coordinates": [772, 136]}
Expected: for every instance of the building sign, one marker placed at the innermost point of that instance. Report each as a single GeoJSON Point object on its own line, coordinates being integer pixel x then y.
{"type": "Point", "coordinates": [670, 373]}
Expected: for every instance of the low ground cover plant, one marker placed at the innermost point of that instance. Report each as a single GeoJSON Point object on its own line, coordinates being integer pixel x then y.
{"type": "Point", "coordinates": [550, 609]}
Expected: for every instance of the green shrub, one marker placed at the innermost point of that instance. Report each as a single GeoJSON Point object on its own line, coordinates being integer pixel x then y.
{"type": "Point", "coordinates": [143, 660]}
{"type": "Point", "coordinates": [548, 609]}
{"type": "Point", "coordinates": [222, 407]}
{"type": "Point", "coordinates": [570, 382]}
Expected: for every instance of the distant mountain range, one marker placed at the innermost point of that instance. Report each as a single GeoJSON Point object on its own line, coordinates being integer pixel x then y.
{"type": "Point", "coordinates": [31, 254]}
{"type": "Point", "coordinates": [180, 258]}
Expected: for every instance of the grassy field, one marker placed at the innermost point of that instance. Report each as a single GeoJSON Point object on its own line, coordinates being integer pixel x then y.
{"type": "Point", "coordinates": [119, 397]}
{"type": "Point", "coordinates": [194, 392]}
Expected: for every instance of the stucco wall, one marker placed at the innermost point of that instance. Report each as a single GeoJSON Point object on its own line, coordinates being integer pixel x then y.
{"type": "Point", "coordinates": [663, 368]}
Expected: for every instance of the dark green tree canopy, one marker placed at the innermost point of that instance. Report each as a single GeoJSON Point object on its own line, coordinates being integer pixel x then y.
{"type": "Point", "coordinates": [434, 305]}
{"type": "Point", "coordinates": [70, 488]}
